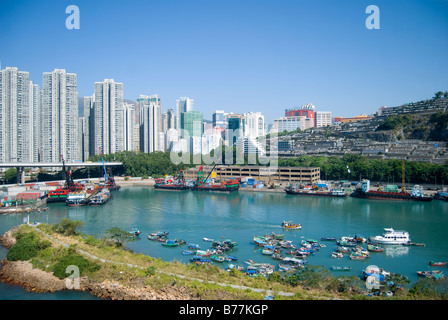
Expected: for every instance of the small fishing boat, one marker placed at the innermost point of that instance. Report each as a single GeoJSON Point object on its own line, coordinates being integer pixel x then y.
{"type": "Point", "coordinates": [157, 235]}
{"type": "Point", "coordinates": [267, 252]}
{"type": "Point", "coordinates": [188, 252]}
{"type": "Point", "coordinates": [343, 249]}
{"type": "Point", "coordinates": [291, 225]}
{"type": "Point", "coordinates": [170, 243]}
{"type": "Point", "coordinates": [336, 255]}
{"type": "Point", "coordinates": [374, 248]}
{"type": "Point", "coordinates": [358, 255]}
{"type": "Point", "coordinates": [135, 232]}
{"type": "Point", "coordinates": [208, 239]}
{"type": "Point", "coordinates": [194, 246]}
{"type": "Point", "coordinates": [437, 263]}
{"type": "Point", "coordinates": [234, 266]}
{"type": "Point", "coordinates": [199, 260]}
{"type": "Point", "coordinates": [218, 258]}
{"type": "Point", "coordinates": [202, 253]}
{"type": "Point", "coordinates": [436, 274]}
{"type": "Point", "coordinates": [328, 238]}
{"type": "Point", "coordinates": [335, 268]}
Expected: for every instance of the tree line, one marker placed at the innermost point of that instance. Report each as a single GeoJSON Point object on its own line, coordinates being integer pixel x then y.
{"type": "Point", "coordinates": [349, 167]}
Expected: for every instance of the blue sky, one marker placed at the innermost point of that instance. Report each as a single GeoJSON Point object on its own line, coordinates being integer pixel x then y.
{"type": "Point", "coordinates": [239, 56]}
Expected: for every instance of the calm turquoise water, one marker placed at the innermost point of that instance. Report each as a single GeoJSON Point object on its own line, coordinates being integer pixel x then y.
{"type": "Point", "coordinates": [240, 216]}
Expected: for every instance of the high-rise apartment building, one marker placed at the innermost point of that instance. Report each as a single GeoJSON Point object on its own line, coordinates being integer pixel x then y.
{"type": "Point", "coordinates": [184, 104]}
{"type": "Point", "coordinates": [108, 117]}
{"type": "Point", "coordinates": [35, 101]}
{"type": "Point", "coordinates": [150, 123]}
{"type": "Point", "coordinates": [128, 126]}
{"type": "Point", "coordinates": [59, 116]}
{"type": "Point", "coordinates": [15, 115]}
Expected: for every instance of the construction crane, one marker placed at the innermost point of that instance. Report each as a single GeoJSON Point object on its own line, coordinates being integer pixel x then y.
{"type": "Point", "coordinates": [67, 175]}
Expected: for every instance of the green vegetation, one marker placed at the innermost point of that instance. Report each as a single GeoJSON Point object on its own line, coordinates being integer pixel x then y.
{"type": "Point", "coordinates": [395, 122]}
{"type": "Point", "coordinates": [139, 164]}
{"type": "Point", "coordinates": [70, 258]}
{"type": "Point", "coordinates": [119, 237]}
{"type": "Point", "coordinates": [27, 246]}
{"type": "Point", "coordinates": [68, 227]}
{"type": "Point", "coordinates": [335, 168]}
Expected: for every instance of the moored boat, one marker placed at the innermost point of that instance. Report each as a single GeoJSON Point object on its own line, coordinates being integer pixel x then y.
{"type": "Point", "coordinates": [337, 268]}
{"type": "Point", "coordinates": [295, 190]}
{"type": "Point", "coordinates": [77, 198]}
{"type": "Point", "coordinates": [135, 232]}
{"type": "Point", "coordinates": [158, 235]}
{"type": "Point", "coordinates": [58, 195]}
{"type": "Point", "coordinates": [435, 274]}
{"type": "Point", "coordinates": [390, 236]}
{"type": "Point", "coordinates": [218, 258]}
{"type": "Point", "coordinates": [202, 184]}
{"type": "Point", "coordinates": [170, 243]}
{"type": "Point", "coordinates": [390, 193]}
{"type": "Point", "coordinates": [336, 255]}
{"type": "Point", "coordinates": [100, 198]}
{"type": "Point", "coordinates": [437, 263]}
{"type": "Point", "coordinates": [374, 248]}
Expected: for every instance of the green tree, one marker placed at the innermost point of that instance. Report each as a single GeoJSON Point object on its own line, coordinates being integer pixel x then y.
{"type": "Point", "coordinates": [68, 227]}
{"type": "Point", "coordinates": [119, 237]}
{"type": "Point", "coordinates": [438, 94]}
{"type": "Point", "coordinates": [11, 175]}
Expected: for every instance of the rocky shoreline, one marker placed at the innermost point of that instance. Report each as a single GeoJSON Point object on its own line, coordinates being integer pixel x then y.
{"type": "Point", "coordinates": [23, 274]}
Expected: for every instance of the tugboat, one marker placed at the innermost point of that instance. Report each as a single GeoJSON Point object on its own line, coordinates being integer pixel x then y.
{"type": "Point", "coordinates": [390, 193]}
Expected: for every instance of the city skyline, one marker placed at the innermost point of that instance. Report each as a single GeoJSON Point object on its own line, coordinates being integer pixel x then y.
{"type": "Point", "coordinates": [245, 56]}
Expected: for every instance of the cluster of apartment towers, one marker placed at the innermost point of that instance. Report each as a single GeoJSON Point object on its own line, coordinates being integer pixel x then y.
{"type": "Point", "coordinates": [40, 125]}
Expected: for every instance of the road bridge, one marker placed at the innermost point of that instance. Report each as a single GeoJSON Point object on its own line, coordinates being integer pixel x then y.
{"type": "Point", "coordinates": [20, 166]}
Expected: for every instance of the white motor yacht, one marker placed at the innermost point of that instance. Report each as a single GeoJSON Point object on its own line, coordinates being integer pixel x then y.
{"type": "Point", "coordinates": [390, 236]}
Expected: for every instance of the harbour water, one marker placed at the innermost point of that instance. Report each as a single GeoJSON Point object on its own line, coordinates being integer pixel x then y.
{"type": "Point", "coordinates": [242, 215]}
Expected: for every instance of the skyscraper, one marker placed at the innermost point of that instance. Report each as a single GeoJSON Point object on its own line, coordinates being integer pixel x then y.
{"type": "Point", "coordinates": [59, 116]}
{"type": "Point", "coordinates": [184, 104]}
{"type": "Point", "coordinates": [35, 101]}
{"type": "Point", "coordinates": [15, 115]}
{"type": "Point", "coordinates": [236, 128]}
{"type": "Point", "coordinates": [150, 123]}
{"type": "Point", "coordinates": [128, 126]}
{"type": "Point", "coordinates": [191, 124]}
{"type": "Point", "coordinates": [220, 119]}
{"type": "Point", "coordinates": [108, 115]}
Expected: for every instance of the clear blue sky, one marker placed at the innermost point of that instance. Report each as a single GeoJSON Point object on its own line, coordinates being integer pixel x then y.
{"type": "Point", "coordinates": [239, 56]}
